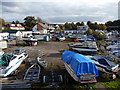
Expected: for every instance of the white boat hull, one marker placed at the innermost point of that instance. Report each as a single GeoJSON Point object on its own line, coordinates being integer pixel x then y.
{"type": "Point", "coordinates": [86, 78]}
{"type": "Point", "coordinates": [85, 50]}
{"type": "Point", "coordinates": [13, 65]}
{"type": "Point", "coordinates": [42, 62]}
{"type": "Point", "coordinates": [70, 71]}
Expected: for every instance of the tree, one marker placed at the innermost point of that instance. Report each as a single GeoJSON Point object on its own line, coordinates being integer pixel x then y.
{"type": "Point", "coordinates": [88, 23]}
{"type": "Point", "coordinates": [2, 22]}
{"type": "Point", "coordinates": [82, 24]}
{"type": "Point", "coordinates": [109, 23]}
{"type": "Point", "coordinates": [89, 32]}
{"type": "Point", "coordinates": [39, 20]}
{"type": "Point", "coordinates": [68, 26]}
{"type": "Point", "coordinates": [17, 22]}
{"type": "Point", "coordinates": [30, 22]}
{"type": "Point", "coordinates": [61, 27]}
{"type": "Point", "coordinates": [78, 24]}
{"type": "Point", "coordinates": [74, 27]}
{"type": "Point", "coordinates": [13, 22]}
{"type": "Point", "coordinates": [95, 34]}
{"type": "Point", "coordinates": [102, 27]}
{"type": "Point", "coordinates": [100, 36]}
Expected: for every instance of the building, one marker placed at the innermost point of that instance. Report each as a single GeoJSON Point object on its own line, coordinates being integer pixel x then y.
{"type": "Point", "coordinates": [70, 31]}
{"type": "Point", "coordinates": [41, 27]}
{"type": "Point", "coordinates": [81, 29]}
{"type": "Point", "coordinates": [16, 27]}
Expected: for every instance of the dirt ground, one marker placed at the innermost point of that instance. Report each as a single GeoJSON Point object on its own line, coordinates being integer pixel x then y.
{"type": "Point", "coordinates": [48, 50]}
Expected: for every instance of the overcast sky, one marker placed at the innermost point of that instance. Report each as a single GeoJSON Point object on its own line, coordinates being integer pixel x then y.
{"type": "Point", "coordinates": [60, 11]}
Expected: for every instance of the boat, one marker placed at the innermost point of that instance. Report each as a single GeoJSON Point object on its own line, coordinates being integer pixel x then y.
{"type": "Point", "coordinates": [10, 62]}
{"type": "Point", "coordinates": [103, 64]}
{"type": "Point", "coordinates": [32, 73]}
{"type": "Point", "coordinates": [31, 41]}
{"type": "Point", "coordinates": [19, 51]}
{"type": "Point", "coordinates": [113, 47]}
{"type": "Point", "coordinates": [116, 52]}
{"type": "Point", "coordinates": [58, 37]}
{"type": "Point", "coordinates": [87, 46]}
{"type": "Point", "coordinates": [1, 52]}
{"type": "Point", "coordinates": [80, 68]}
{"type": "Point", "coordinates": [41, 61]}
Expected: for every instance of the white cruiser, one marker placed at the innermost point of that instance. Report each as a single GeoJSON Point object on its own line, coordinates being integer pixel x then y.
{"type": "Point", "coordinates": [10, 62]}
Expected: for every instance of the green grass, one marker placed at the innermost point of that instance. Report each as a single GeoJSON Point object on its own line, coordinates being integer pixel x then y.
{"type": "Point", "coordinates": [113, 84]}
{"type": "Point", "coordinates": [85, 87]}
{"type": "Point", "coordinates": [93, 87]}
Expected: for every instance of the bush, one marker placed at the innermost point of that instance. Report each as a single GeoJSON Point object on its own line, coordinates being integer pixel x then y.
{"type": "Point", "coordinates": [98, 36]}
{"type": "Point", "coordinates": [113, 84]}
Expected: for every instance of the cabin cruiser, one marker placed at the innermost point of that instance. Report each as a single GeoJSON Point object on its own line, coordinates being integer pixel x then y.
{"type": "Point", "coordinates": [87, 46]}
{"type": "Point", "coordinates": [80, 68]}
{"type": "Point", "coordinates": [10, 62]}
{"type": "Point", "coordinates": [103, 64]}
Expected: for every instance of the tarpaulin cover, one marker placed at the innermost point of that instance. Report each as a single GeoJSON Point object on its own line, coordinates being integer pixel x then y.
{"type": "Point", "coordinates": [79, 63]}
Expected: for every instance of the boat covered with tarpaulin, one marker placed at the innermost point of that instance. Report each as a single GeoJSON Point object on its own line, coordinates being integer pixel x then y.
{"type": "Point", "coordinates": [80, 67]}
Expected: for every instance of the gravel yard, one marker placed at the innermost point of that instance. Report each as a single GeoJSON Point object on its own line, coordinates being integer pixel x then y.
{"type": "Point", "coordinates": [48, 50]}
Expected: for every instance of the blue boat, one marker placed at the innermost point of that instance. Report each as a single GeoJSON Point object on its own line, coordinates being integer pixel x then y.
{"type": "Point", "coordinates": [80, 68]}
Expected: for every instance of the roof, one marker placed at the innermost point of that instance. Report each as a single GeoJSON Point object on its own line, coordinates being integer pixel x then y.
{"type": "Point", "coordinates": [43, 25]}
{"type": "Point", "coordinates": [10, 31]}
{"type": "Point", "coordinates": [79, 63]}
{"type": "Point", "coordinates": [16, 25]}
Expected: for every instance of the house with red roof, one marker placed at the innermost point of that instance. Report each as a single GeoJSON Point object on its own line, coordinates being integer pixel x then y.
{"type": "Point", "coordinates": [16, 27]}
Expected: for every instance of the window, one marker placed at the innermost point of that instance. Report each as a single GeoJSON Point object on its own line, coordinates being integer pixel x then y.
{"type": "Point", "coordinates": [14, 57]}
{"type": "Point", "coordinates": [103, 61]}
{"type": "Point", "coordinates": [20, 57]}
{"type": "Point", "coordinates": [93, 59]}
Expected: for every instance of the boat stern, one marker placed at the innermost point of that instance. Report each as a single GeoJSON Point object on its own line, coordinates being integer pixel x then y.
{"type": "Point", "coordinates": [116, 68]}
{"type": "Point", "coordinates": [88, 78]}
{"type": "Point", "coordinates": [2, 73]}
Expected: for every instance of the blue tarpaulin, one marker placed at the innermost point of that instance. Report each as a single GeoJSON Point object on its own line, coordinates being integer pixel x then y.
{"type": "Point", "coordinates": [79, 63]}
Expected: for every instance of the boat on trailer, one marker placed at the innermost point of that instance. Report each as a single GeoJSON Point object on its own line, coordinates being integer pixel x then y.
{"type": "Point", "coordinates": [33, 72]}
{"type": "Point", "coordinates": [10, 62]}
{"type": "Point", "coordinates": [80, 68]}
{"type": "Point", "coordinates": [42, 62]}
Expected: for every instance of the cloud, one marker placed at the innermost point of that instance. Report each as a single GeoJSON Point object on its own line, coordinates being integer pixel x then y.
{"type": "Point", "coordinates": [60, 11]}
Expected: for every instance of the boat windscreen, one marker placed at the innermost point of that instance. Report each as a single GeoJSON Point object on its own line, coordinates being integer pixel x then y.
{"type": "Point", "coordinates": [16, 52]}
{"type": "Point", "coordinates": [103, 61]}
{"type": "Point", "coordinates": [112, 64]}
{"type": "Point", "coordinates": [3, 61]}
